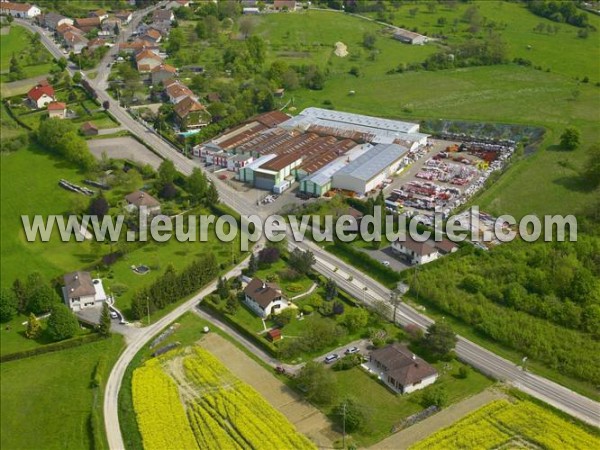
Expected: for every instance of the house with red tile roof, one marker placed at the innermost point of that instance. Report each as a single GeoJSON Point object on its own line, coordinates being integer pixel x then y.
{"type": "Point", "coordinates": [87, 24]}
{"type": "Point", "coordinates": [162, 73]}
{"type": "Point", "coordinates": [177, 91]}
{"type": "Point", "coordinates": [57, 110]}
{"type": "Point", "coordinates": [191, 114]}
{"type": "Point", "coordinates": [20, 10]}
{"type": "Point", "coordinates": [147, 60]}
{"type": "Point", "coordinates": [40, 95]}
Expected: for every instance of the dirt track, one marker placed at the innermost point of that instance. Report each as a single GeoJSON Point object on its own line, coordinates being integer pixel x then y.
{"type": "Point", "coordinates": [305, 417]}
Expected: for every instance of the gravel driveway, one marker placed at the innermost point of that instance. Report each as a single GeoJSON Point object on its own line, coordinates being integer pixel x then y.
{"type": "Point", "coordinates": [124, 148]}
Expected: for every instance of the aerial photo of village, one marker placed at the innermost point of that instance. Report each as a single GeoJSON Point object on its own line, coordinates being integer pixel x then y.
{"type": "Point", "coordinates": [279, 224]}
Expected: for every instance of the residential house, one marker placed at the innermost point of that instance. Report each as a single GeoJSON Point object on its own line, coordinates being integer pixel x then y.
{"type": "Point", "coordinates": [74, 42]}
{"type": "Point", "coordinates": [81, 291]}
{"type": "Point", "coordinates": [191, 114]}
{"type": "Point", "coordinates": [152, 35]}
{"type": "Point", "coordinates": [124, 16]}
{"type": "Point", "coordinates": [177, 91]}
{"type": "Point", "coordinates": [137, 46]}
{"type": "Point", "coordinates": [162, 15]}
{"type": "Point", "coordinates": [250, 11]}
{"type": "Point", "coordinates": [147, 60]}
{"type": "Point", "coordinates": [139, 199]}
{"type": "Point", "coordinates": [263, 298]}
{"type": "Point", "coordinates": [163, 27]}
{"type": "Point", "coordinates": [415, 252]}
{"type": "Point", "coordinates": [284, 5]}
{"type": "Point", "coordinates": [40, 95]}
{"type": "Point", "coordinates": [409, 37]}
{"type": "Point", "coordinates": [88, 129]}
{"type": "Point", "coordinates": [446, 247]}
{"type": "Point", "coordinates": [180, 3]}
{"type": "Point", "coordinates": [57, 110]}
{"type": "Point", "coordinates": [111, 25]}
{"type": "Point", "coordinates": [100, 14]}
{"type": "Point", "coordinates": [20, 10]}
{"type": "Point", "coordinates": [87, 24]}
{"type": "Point", "coordinates": [53, 20]}
{"type": "Point", "coordinates": [162, 73]}
{"type": "Point", "coordinates": [95, 44]}
{"type": "Point", "coordinates": [401, 369]}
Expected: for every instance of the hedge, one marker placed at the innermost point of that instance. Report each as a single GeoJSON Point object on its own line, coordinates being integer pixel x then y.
{"type": "Point", "coordinates": [50, 348]}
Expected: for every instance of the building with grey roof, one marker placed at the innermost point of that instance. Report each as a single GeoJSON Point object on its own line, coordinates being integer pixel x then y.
{"type": "Point", "coordinates": [369, 170]}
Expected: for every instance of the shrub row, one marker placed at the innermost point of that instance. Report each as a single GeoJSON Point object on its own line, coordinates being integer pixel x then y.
{"type": "Point", "coordinates": [71, 343]}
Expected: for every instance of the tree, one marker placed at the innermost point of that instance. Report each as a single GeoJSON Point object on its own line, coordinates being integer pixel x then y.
{"type": "Point", "coordinates": [290, 80]}
{"type": "Point", "coordinates": [592, 168]}
{"type": "Point", "coordinates": [440, 339]}
{"type": "Point", "coordinates": [232, 304]}
{"type": "Point", "coordinates": [62, 63]}
{"type": "Point", "coordinates": [196, 185]}
{"type": "Point", "coordinates": [269, 255]}
{"type": "Point", "coordinates": [77, 77]}
{"type": "Point", "coordinates": [369, 40]}
{"type": "Point", "coordinates": [212, 195]}
{"type": "Point", "coordinates": [302, 261]}
{"type": "Point", "coordinates": [252, 265]}
{"type": "Point", "coordinates": [20, 290]}
{"type": "Point", "coordinates": [256, 48]}
{"type": "Point", "coordinates": [39, 296]}
{"type": "Point", "coordinates": [106, 105]}
{"type": "Point", "coordinates": [355, 319]}
{"type": "Point", "coordinates": [285, 317]}
{"type": "Point", "coordinates": [222, 288]}
{"type": "Point", "coordinates": [570, 138]}
{"type": "Point", "coordinates": [355, 70]}
{"type": "Point", "coordinates": [62, 323]}
{"type": "Point", "coordinates": [15, 71]}
{"type": "Point", "coordinates": [314, 78]}
{"type": "Point", "coordinates": [166, 172]}
{"type": "Point", "coordinates": [350, 415]}
{"type": "Point", "coordinates": [246, 25]}
{"type": "Point", "coordinates": [104, 327]}
{"type": "Point", "coordinates": [8, 304]}
{"type": "Point", "coordinates": [434, 396]}
{"type": "Point", "coordinates": [99, 206]}
{"type": "Point", "coordinates": [331, 289]}
{"type": "Point", "coordinates": [318, 383]}
{"type": "Point", "coordinates": [34, 329]}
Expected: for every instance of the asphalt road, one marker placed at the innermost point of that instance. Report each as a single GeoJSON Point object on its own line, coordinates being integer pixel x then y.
{"type": "Point", "coordinates": [348, 279]}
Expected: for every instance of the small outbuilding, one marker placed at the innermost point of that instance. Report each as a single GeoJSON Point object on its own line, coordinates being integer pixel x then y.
{"type": "Point", "coordinates": [89, 129]}
{"type": "Point", "coordinates": [274, 335]}
{"type": "Point", "coordinates": [57, 110]}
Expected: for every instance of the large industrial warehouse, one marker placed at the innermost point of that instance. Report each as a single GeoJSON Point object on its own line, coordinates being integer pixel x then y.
{"type": "Point", "coordinates": [319, 148]}
{"type": "Point", "coordinates": [370, 169]}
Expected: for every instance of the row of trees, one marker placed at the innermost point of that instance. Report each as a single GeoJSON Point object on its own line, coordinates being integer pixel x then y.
{"type": "Point", "coordinates": [32, 295]}
{"type": "Point", "coordinates": [559, 11]}
{"type": "Point", "coordinates": [513, 294]}
{"type": "Point", "coordinates": [173, 286]}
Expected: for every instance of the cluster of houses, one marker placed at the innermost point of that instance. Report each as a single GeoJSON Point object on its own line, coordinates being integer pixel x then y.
{"type": "Point", "coordinates": [256, 7]}
{"type": "Point", "coordinates": [75, 34]}
{"type": "Point", "coordinates": [190, 113]}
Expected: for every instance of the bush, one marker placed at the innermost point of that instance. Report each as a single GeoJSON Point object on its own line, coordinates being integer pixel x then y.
{"type": "Point", "coordinates": [434, 396]}
{"type": "Point", "coordinates": [62, 323]}
{"type": "Point", "coordinates": [348, 362]}
{"type": "Point", "coordinates": [307, 309]}
{"type": "Point", "coordinates": [463, 372]}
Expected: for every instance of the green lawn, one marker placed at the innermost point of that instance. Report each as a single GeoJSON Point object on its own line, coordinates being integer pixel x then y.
{"type": "Point", "coordinates": [47, 399]}
{"type": "Point", "coordinates": [17, 42]}
{"type": "Point", "coordinates": [289, 288]}
{"type": "Point", "coordinates": [386, 409]}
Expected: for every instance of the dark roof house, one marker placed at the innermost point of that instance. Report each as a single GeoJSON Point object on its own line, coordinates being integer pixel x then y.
{"type": "Point", "coordinates": [402, 369]}
{"type": "Point", "coordinates": [79, 284]}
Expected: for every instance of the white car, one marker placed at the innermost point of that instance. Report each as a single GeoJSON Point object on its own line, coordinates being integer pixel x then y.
{"type": "Point", "coordinates": [331, 358]}
{"type": "Point", "coordinates": [385, 263]}
{"type": "Point", "coordinates": [114, 315]}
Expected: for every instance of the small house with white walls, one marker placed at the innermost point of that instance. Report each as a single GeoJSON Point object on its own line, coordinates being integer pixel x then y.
{"type": "Point", "coordinates": [401, 369]}
{"type": "Point", "coordinates": [81, 291]}
{"type": "Point", "coordinates": [264, 298]}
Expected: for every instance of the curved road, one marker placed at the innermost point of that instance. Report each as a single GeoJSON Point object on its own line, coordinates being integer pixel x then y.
{"type": "Point", "coordinates": [348, 279]}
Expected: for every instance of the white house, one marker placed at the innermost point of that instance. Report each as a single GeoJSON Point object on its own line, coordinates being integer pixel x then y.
{"type": "Point", "coordinates": [177, 91]}
{"type": "Point", "coordinates": [139, 199]}
{"type": "Point", "coordinates": [416, 252]}
{"type": "Point", "coordinates": [263, 298]}
{"type": "Point", "coordinates": [400, 369]}
{"type": "Point", "coordinates": [20, 10]}
{"type": "Point", "coordinates": [41, 95]}
{"type": "Point", "coordinates": [80, 291]}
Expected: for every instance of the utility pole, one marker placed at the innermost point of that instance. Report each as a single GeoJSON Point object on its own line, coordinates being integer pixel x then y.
{"type": "Point", "coordinates": [344, 425]}
{"type": "Point", "coordinates": [148, 308]}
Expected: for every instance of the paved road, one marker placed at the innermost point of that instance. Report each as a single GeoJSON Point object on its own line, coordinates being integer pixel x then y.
{"type": "Point", "coordinates": [354, 282]}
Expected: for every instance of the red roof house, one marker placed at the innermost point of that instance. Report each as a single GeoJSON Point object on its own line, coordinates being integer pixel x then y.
{"type": "Point", "coordinates": [41, 95]}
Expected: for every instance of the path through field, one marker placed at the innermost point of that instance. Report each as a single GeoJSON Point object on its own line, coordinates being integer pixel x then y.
{"type": "Point", "coordinates": [305, 417]}
{"type": "Point", "coordinates": [411, 435]}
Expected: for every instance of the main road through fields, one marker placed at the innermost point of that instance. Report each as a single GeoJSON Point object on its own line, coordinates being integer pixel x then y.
{"type": "Point", "coordinates": [347, 277]}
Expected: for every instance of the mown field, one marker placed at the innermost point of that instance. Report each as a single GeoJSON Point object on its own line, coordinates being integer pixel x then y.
{"type": "Point", "coordinates": [48, 400]}
{"type": "Point", "coordinates": [17, 42]}
{"type": "Point", "coordinates": [218, 410]}
{"type": "Point", "coordinates": [506, 424]}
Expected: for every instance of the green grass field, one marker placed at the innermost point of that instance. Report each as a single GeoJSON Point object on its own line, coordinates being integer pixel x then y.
{"type": "Point", "coordinates": [17, 42]}
{"type": "Point", "coordinates": [385, 409]}
{"type": "Point", "coordinates": [47, 399]}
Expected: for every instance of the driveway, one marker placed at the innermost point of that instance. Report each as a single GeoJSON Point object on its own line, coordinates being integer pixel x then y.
{"type": "Point", "coordinates": [387, 254]}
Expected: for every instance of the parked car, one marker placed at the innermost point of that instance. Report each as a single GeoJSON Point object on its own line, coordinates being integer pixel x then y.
{"type": "Point", "coordinates": [331, 358]}
{"type": "Point", "coordinates": [352, 350]}
{"type": "Point", "coordinates": [385, 263]}
{"type": "Point", "coordinates": [114, 315]}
